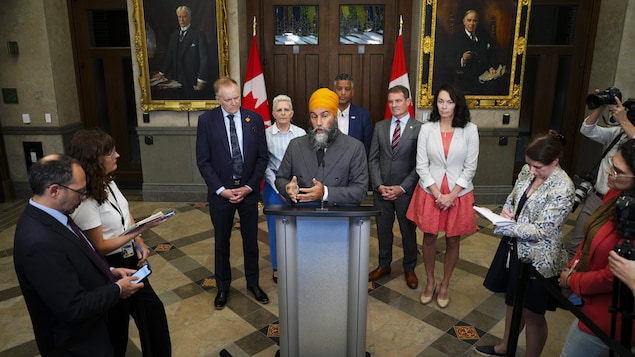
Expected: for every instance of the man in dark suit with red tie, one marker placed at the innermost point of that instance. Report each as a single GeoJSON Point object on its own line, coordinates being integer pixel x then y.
{"type": "Point", "coordinates": [393, 177]}
{"type": "Point", "coordinates": [232, 155]}
{"type": "Point", "coordinates": [67, 285]}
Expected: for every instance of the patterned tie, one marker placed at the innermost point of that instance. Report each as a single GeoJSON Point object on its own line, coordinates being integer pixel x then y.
{"type": "Point", "coordinates": [396, 135]}
{"type": "Point", "coordinates": [181, 35]}
{"type": "Point", "coordinates": [473, 37]}
{"type": "Point", "coordinates": [237, 158]}
{"type": "Point", "coordinates": [104, 265]}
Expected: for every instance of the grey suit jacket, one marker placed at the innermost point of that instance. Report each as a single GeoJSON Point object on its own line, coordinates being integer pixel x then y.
{"type": "Point", "coordinates": [344, 170]}
{"type": "Point", "coordinates": [398, 168]}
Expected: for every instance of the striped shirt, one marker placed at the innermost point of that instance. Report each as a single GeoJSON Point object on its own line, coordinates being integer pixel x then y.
{"type": "Point", "coordinates": [277, 143]}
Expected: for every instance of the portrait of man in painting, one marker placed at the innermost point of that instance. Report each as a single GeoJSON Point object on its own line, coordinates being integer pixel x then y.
{"type": "Point", "coordinates": [182, 49]}
{"type": "Point", "coordinates": [474, 44]}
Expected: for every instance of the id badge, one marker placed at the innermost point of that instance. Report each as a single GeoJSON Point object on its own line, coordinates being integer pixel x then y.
{"type": "Point", "coordinates": [127, 250]}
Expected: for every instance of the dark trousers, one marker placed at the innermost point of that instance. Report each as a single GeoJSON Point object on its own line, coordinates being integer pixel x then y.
{"type": "Point", "coordinates": [222, 214]}
{"type": "Point", "coordinates": [148, 312]}
{"type": "Point", "coordinates": [385, 235]}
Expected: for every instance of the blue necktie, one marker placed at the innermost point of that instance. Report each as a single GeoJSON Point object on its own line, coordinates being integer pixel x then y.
{"type": "Point", "coordinates": [237, 158]}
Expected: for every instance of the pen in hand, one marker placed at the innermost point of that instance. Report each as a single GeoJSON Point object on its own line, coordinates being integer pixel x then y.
{"type": "Point", "coordinates": [573, 266]}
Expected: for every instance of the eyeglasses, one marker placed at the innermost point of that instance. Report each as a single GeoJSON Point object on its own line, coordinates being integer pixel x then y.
{"type": "Point", "coordinates": [112, 154]}
{"type": "Point", "coordinates": [82, 193]}
{"type": "Point", "coordinates": [612, 171]}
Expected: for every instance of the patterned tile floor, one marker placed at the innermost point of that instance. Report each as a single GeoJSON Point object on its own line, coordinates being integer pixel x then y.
{"type": "Point", "coordinates": [182, 262]}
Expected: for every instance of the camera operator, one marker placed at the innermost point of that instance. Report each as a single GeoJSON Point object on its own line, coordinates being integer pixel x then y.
{"type": "Point", "coordinates": [588, 274]}
{"type": "Point", "coordinates": [624, 129]}
{"type": "Point", "coordinates": [623, 269]}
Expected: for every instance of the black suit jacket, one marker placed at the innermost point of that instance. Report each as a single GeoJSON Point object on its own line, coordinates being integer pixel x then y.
{"type": "Point", "coordinates": [483, 56]}
{"type": "Point", "coordinates": [213, 153]}
{"type": "Point", "coordinates": [65, 290]}
{"type": "Point", "coordinates": [188, 60]}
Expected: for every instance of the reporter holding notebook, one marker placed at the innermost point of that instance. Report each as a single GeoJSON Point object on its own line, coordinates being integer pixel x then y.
{"type": "Point", "coordinates": [104, 216]}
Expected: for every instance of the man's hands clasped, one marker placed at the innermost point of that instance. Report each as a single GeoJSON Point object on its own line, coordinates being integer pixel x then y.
{"type": "Point", "coordinates": [304, 194]}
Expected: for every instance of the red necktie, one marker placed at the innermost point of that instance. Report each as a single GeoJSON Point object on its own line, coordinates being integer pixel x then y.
{"type": "Point", "coordinates": [396, 135]}
{"type": "Point", "coordinates": [99, 257]}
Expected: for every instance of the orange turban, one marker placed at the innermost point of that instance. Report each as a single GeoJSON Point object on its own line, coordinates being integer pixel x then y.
{"type": "Point", "coordinates": [324, 98]}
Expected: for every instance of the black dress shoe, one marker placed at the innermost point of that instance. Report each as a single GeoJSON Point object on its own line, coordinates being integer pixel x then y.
{"type": "Point", "coordinates": [221, 300]}
{"type": "Point", "coordinates": [259, 294]}
{"type": "Point", "coordinates": [487, 351]}
{"type": "Point", "coordinates": [275, 276]}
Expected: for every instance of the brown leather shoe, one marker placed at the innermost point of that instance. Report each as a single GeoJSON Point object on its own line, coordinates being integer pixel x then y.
{"type": "Point", "coordinates": [411, 279]}
{"type": "Point", "coordinates": [378, 273]}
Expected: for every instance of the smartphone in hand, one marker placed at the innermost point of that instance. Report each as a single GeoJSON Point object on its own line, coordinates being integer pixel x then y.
{"type": "Point", "coordinates": [141, 274]}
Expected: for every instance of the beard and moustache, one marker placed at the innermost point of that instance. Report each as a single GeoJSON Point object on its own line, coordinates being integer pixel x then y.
{"type": "Point", "coordinates": [325, 139]}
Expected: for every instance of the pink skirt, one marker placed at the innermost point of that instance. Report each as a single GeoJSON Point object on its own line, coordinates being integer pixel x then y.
{"type": "Point", "coordinates": [457, 220]}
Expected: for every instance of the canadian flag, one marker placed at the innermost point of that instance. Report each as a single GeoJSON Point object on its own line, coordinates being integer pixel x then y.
{"type": "Point", "coordinates": [399, 75]}
{"type": "Point", "coordinates": [254, 90]}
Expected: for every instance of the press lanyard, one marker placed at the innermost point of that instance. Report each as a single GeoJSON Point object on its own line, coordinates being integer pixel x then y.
{"type": "Point", "coordinates": [116, 207]}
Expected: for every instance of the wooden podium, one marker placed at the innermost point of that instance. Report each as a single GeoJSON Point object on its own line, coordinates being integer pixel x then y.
{"type": "Point", "coordinates": [322, 279]}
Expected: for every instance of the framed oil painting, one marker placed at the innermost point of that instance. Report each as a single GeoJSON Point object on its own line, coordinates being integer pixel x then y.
{"type": "Point", "coordinates": [477, 44]}
{"type": "Point", "coordinates": [181, 48]}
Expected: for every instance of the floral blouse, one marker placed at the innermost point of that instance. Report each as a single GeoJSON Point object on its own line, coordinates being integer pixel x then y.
{"type": "Point", "coordinates": [539, 224]}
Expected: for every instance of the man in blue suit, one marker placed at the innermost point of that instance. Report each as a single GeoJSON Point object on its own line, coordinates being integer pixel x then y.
{"type": "Point", "coordinates": [352, 120]}
{"type": "Point", "coordinates": [232, 155]}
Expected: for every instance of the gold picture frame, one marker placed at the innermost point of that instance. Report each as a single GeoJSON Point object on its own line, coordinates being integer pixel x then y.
{"type": "Point", "coordinates": [153, 27]}
{"type": "Point", "coordinates": [443, 46]}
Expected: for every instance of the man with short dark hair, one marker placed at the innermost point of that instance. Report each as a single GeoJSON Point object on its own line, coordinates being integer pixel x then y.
{"type": "Point", "coordinates": [393, 177]}
{"type": "Point", "coordinates": [67, 285]}
{"type": "Point", "coordinates": [352, 120]}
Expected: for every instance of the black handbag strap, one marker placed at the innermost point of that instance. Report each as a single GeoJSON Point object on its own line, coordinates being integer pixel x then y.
{"type": "Point", "coordinates": [606, 151]}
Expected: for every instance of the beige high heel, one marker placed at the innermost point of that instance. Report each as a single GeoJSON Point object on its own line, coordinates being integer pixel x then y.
{"type": "Point", "coordinates": [443, 303]}
{"type": "Point", "coordinates": [426, 299]}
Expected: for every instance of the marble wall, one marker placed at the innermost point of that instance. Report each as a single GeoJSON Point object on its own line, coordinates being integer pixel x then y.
{"type": "Point", "coordinates": [44, 76]}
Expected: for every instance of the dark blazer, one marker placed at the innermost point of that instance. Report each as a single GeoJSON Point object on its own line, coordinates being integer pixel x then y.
{"type": "Point", "coordinates": [344, 170]}
{"type": "Point", "coordinates": [65, 290]}
{"type": "Point", "coordinates": [483, 57]}
{"type": "Point", "coordinates": [213, 153]}
{"type": "Point", "coordinates": [360, 126]}
{"type": "Point", "coordinates": [187, 60]}
{"type": "Point", "coordinates": [398, 168]}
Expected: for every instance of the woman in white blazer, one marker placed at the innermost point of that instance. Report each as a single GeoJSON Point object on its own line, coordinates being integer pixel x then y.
{"type": "Point", "coordinates": [447, 154]}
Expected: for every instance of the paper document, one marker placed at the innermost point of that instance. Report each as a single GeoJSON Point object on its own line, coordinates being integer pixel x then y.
{"type": "Point", "coordinates": [497, 219]}
{"type": "Point", "coordinates": [155, 81]}
{"type": "Point", "coordinates": [486, 76]}
{"type": "Point", "coordinates": [155, 217]}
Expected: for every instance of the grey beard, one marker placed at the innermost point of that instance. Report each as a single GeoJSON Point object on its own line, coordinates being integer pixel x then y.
{"type": "Point", "coordinates": [323, 141]}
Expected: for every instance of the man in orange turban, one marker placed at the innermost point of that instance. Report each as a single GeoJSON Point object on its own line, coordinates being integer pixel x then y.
{"type": "Point", "coordinates": [324, 98]}
{"type": "Point", "coordinates": [324, 166]}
